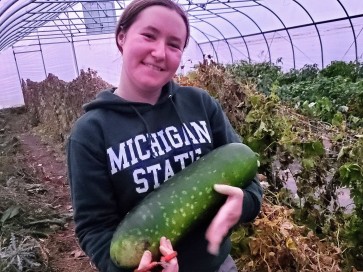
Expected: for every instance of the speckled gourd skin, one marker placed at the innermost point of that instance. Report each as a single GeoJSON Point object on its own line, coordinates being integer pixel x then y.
{"type": "Point", "coordinates": [181, 202]}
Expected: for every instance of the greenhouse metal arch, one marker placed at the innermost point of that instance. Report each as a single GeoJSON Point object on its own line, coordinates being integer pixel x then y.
{"type": "Point", "coordinates": [36, 34]}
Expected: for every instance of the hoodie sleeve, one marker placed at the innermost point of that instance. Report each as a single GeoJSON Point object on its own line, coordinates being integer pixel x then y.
{"type": "Point", "coordinates": [223, 133]}
{"type": "Point", "coordinates": [93, 200]}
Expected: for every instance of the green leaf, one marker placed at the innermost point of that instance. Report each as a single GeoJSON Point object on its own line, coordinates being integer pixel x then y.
{"type": "Point", "coordinates": [10, 213]}
{"type": "Point", "coordinates": [255, 100]}
{"type": "Point", "coordinates": [315, 148]}
{"type": "Point", "coordinates": [337, 119]}
{"type": "Point", "coordinates": [350, 172]}
{"type": "Point", "coordinates": [308, 163]}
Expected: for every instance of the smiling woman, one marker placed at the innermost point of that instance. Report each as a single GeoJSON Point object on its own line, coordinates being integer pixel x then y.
{"type": "Point", "coordinates": [152, 47]}
{"type": "Point", "coordinates": [144, 132]}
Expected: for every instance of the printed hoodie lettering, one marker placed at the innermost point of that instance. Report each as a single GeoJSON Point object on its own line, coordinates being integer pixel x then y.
{"type": "Point", "coordinates": [130, 152]}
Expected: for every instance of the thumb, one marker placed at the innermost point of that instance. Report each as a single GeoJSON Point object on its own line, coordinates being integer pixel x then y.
{"type": "Point", "coordinates": [228, 190]}
{"type": "Point", "coordinates": [145, 259]}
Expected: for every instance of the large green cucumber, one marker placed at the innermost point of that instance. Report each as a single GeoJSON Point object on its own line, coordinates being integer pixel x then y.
{"type": "Point", "coordinates": [181, 202]}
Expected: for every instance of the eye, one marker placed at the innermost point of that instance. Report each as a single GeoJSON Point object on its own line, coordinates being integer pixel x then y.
{"type": "Point", "coordinates": [175, 46]}
{"type": "Point", "coordinates": [148, 35]}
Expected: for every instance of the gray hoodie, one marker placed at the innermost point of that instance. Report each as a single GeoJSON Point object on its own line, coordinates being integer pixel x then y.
{"type": "Point", "coordinates": [119, 151]}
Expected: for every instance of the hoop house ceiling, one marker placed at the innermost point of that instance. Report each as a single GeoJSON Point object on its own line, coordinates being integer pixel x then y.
{"type": "Point", "coordinates": [229, 30]}
{"type": "Point", "coordinates": [62, 37]}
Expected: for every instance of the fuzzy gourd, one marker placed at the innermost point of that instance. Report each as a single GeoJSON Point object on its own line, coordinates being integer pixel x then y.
{"type": "Point", "coordinates": [181, 202]}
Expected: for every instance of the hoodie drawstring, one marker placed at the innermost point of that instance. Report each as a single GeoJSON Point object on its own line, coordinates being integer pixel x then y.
{"type": "Point", "coordinates": [170, 97]}
{"type": "Point", "coordinates": [147, 131]}
{"type": "Point", "coordinates": [183, 124]}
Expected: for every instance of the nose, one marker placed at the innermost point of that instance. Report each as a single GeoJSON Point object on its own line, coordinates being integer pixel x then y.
{"type": "Point", "coordinates": [159, 50]}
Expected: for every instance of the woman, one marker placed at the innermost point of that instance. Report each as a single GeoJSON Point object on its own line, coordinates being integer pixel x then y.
{"type": "Point", "coordinates": [143, 132]}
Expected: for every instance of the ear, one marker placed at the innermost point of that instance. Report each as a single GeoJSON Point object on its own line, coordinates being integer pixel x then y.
{"type": "Point", "coordinates": [121, 40]}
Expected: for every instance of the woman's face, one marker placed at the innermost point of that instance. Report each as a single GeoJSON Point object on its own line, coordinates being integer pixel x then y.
{"type": "Point", "coordinates": [152, 49]}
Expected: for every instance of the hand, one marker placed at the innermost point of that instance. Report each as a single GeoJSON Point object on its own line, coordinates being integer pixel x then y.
{"type": "Point", "coordinates": [227, 216]}
{"type": "Point", "coordinates": [166, 249]}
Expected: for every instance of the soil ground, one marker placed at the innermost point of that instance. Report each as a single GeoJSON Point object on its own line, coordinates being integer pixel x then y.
{"type": "Point", "coordinates": [36, 180]}
{"type": "Point", "coordinates": [64, 252]}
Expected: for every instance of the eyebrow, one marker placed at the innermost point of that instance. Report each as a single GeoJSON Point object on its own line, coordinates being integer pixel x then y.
{"type": "Point", "coordinates": [154, 29]}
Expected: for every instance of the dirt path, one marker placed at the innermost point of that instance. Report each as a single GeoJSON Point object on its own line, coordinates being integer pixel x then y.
{"type": "Point", "coordinates": [49, 164]}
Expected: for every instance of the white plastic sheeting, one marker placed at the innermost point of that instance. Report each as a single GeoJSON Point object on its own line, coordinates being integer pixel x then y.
{"type": "Point", "coordinates": [38, 37]}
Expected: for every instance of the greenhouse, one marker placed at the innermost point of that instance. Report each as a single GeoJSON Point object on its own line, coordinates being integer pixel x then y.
{"type": "Point", "coordinates": [38, 37]}
{"type": "Point", "coordinates": [240, 149]}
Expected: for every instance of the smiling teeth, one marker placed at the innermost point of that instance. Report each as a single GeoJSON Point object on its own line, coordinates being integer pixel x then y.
{"type": "Point", "coordinates": [154, 67]}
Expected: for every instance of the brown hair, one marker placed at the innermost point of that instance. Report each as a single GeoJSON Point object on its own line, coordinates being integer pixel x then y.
{"type": "Point", "coordinates": [131, 12]}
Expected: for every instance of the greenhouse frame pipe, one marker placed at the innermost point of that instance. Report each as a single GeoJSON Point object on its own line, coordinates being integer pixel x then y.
{"type": "Point", "coordinates": [94, 39]}
{"type": "Point", "coordinates": [55, 25]}
{"type": "Point", "coordinates": [298, 26]}
{"type": "Point", "coordinates": [65, 1]}
{"type": "Point", "coordinates": [103, 10]}
{"type": "Point", "coordinates": [17, 67]}
{"type": "Point", "coordinates": [264, 37]}
{"type": "Point", "coordinates": [287, 31]}
{"type": "Point", "coordinates": [60, 35]}
{"type": "Point", "coordinates": [214, 2]}
{"type": "Point", "coordinates": [23, 34]}
{"type": "Point", "coordinates": [83, 19]}
{"type": "Point", "coordinates": [26, 52]}
{"type": "Point", "coordinates": [317, 30]}
{"type": "Point", "coordinates": [12, 13]}
{"type": "Point", "coordinates": [75, 57]}
{"type": "Point", "coordinates": [79, 41]}
{"type": "Point", "coordinates": [206, 42]}
{"type": "Point", "coordinates": [77, 11]}
{"type": "Point", "coordinates": [59, 42]}
{"type": "Point", "coordinates": [10, 28]}
{"type": "Point", "coordinates": [63, 7]}
{"type": "Point", "coordinates": [24, 14]}
{"type": "Point", "coordinates": [200, 48]}
{"type": "Point", "coordinates": [75, 25]}
{"type": "Point", "coordinates": [224, 38]}
{"type": "Point", "coordinates": [7, 6]}
{"type": "Point", "coordinates": [65, 19]}
{"type": "Point", "coordinates": [248, 51]}
{"type": "Point", "coordinates": [353, 31]}
{"type": "Point", "coordinates": [69, 36]}
{"type": "Point", "coordinates": [41, 54]}
{"type": "Point", "coordinates": [70, 29]}
{"type": "Point", "coordinates": [212, 42]}
{"type": "Point", "coordinates": [219, 9]}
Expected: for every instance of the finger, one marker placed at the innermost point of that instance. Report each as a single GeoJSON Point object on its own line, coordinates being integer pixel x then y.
{"type": "Point", "coordinates": [166, 243]}
{"type": "Point", "coordinates": [165, 251]}
{"type": "Point", "coordinates": [228, 190]}
{"type": "Point", "coordinates": [215, 233]}
{"type": "Point", "coordinates": [145, 259]}
{"type": "Point", "coordinates": [227, 216]}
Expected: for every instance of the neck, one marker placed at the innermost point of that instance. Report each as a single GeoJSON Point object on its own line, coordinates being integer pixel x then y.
{"type": "Point", "coordinates": [133, 94]}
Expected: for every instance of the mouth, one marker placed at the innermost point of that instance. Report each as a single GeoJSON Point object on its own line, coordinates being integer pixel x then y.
{"type": "Point", "coordinates": [154, 67]}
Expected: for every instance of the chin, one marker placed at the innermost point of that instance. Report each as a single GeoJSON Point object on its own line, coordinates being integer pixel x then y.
{"type": "Point", "coordinates": [156, 85]}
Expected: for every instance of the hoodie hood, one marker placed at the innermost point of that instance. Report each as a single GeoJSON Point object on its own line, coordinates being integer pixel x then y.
{"type": "Point", "coordinates": [108, 100]}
